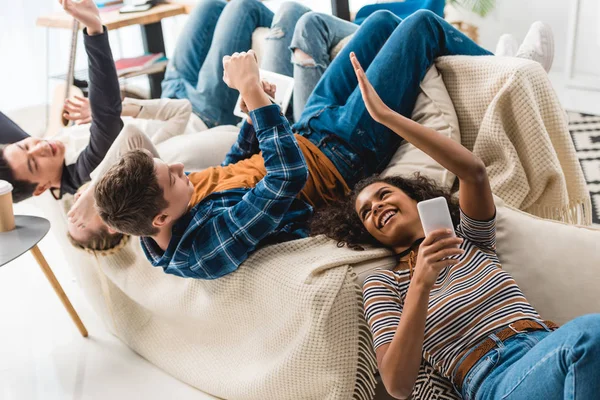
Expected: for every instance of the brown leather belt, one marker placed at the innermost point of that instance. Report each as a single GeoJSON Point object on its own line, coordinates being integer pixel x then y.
{"type": "Point", "coordinates": [488, 344]}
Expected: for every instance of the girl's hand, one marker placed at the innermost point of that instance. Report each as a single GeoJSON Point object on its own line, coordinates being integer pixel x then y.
{"type": "Point", "coordinates": [375, 105]}
{"type": "Point", "coordinates": [79, 111]}
{"type": "Point", "coordinates": [433, 256]}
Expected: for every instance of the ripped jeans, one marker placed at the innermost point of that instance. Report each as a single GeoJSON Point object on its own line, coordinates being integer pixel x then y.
{"type": "Point", "coordinates": [296, 27]}
{"type": "Point", "coordinates": [214, 29]}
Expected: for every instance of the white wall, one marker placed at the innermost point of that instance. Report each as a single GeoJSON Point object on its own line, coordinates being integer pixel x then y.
{"type": "Point", "coordinates": [23, 46]}
{"type": "Point", "coordinates": [515, 16]}
{"type": "Point", "coordinates": [23, 72]}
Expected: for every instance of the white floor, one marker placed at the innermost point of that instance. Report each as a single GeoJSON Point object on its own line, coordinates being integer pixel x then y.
{"type": "Point", "coordinates": [43, 356]}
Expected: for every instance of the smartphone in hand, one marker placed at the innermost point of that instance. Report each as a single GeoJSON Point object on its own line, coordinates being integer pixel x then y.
{"type": "Point", "coordinates": [435, 214]}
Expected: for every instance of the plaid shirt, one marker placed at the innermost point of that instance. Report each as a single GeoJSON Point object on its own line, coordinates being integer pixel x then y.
{"type": "Point", "coordinates": [245, 146]}
{"type": "Point", "coordinates": [217, 235]}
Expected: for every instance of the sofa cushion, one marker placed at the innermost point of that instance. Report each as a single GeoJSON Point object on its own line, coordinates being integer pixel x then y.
{"type": "Point", "coordinates": [556, 265]}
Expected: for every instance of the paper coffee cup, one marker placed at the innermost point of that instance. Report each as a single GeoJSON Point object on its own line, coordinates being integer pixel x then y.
{"type": "Point", "coordinates": [7, 217]}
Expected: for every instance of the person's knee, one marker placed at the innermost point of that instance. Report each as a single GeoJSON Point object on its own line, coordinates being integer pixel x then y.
{"type": "Point", "coordinates": [382, 18]}
{"type": "Point", "coordinates": [285, 19]}
{"type": "Point", "coordinates": [309, 42]}
{"type": "Point", "coordinates": [243, 5]}
{"type": "Point", "coordinates": [422, 18]}
{"type": "Point", "coordinates": [424, 15]}
{"type": "Point", "coordinates": [290, 11]}
{"type": "Point", "coordinates": [309, 24]}
{"type": "Point", "coordinates": [206, 5]}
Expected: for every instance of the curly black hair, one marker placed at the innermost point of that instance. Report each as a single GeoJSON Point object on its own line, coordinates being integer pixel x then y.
{"type": "Point", "coordinates": [341, 222]}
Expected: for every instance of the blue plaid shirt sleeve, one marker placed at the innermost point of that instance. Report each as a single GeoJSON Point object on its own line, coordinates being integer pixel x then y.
{"type": "Point", "coordinates": [225, 241]}
{"type": "Point", "coordinates": [245, 146]}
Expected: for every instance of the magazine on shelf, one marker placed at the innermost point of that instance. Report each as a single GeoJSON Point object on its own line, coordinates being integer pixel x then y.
{"type": "Point", "coordinates": [135, 64]}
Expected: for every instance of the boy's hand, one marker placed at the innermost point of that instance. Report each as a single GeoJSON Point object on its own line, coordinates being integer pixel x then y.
{"type": "Point", "coordinates": [241, 72]}
{"type": "Point", "coordinates": [78, 111]}
{"type": "Point", "coordinates": [86, 12]}
{"type": "Point", "coordinates": [269, 88]}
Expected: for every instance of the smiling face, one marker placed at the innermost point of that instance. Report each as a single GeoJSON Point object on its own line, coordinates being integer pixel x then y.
{"type": "Point", "coordinates": [37, 161]}
{"type": "Point", "coordinates": [389, 215]}
{"type": "Point", "coordinates": [177, 190]}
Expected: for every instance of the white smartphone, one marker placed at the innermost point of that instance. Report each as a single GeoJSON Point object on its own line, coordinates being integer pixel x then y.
{"type": "Point", "coordinates": [435, 215]}
{"type": "Point", "coordinates": [283, 94]}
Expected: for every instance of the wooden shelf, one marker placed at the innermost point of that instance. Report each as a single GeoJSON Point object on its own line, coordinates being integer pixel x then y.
{"type": "Point", "coordinates": [114, 20]}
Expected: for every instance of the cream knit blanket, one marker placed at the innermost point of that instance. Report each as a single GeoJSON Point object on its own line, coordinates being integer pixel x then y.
{"type": "Point", "coordinates": [287, 325]}
{"type": "Point", "coordinates": [511, 118]}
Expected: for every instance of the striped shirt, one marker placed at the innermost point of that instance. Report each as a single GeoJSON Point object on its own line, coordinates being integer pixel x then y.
{"type": "Point", "coordinates": [469, 300]}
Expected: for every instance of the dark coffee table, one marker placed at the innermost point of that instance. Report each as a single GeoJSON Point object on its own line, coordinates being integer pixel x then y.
{"type": "Point", "coordinates": [25, 237]}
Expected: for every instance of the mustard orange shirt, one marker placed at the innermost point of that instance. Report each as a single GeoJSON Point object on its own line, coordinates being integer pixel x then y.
{"type": "Point", "coordinates": [324, 185]}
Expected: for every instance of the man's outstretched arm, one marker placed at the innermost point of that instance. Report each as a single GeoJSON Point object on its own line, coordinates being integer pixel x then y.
{"type": "Point", "coordinates": [105, 96]}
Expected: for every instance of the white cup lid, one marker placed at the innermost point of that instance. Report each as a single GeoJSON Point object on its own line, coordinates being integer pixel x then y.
{"type": "Point", "coordinates": [5, 187]}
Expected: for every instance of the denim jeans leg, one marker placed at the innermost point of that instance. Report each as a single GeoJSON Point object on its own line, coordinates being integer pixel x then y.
{"type": "Point", "coordinates": [395, 72]}
{"type": "Point", "coordinates": [338, 81]}
{"type": "Point", "coordinates": [212, 100]}
{"type": "Point", "coordinates": [277, 54]}
{"type": "Point", "coordinates": [563, 365]}
{"type": "Point", "coordinates": [315, 35]}
{"type": "Point", "coordinates": [192, 48]}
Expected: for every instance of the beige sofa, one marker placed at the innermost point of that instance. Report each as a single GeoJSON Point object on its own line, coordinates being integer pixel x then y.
{"type": "Point", "coordinates": [289, 348]}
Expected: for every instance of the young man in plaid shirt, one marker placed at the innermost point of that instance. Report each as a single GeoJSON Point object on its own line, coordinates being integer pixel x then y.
{"type": "Point", "coordinates": [205, 224]}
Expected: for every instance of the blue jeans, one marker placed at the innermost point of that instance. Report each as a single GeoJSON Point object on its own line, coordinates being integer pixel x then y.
{"type": "Point", "coordinates": [296, 27]}
{"type": "Point", "coordinates": [214, 29]}
{"type": "Point", "coordinates": [396, 54]}
{"type": "Point", "coordinates": [277, 55]}
{"type": "Point", "coordinates": [544, 365]}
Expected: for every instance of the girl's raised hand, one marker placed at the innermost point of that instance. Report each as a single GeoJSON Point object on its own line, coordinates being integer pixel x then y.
{"type": "Point", "coordinates": [373, 102]}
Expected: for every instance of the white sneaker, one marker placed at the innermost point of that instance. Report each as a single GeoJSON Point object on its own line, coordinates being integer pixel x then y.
{"type": "Point", "coordinates": [538, 45]}
{"type": "Point", "coordinates": [507, 46]}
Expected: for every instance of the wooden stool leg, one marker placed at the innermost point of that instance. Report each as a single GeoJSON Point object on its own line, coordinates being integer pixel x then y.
{"type": "Point", "coordinates": [37, 254]}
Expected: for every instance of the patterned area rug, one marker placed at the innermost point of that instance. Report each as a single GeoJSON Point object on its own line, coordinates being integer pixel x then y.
{"type": "Point", "coordinates": [585, 131]}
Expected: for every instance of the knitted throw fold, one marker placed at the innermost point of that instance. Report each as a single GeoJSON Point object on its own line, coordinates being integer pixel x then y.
{"type": "Point", "coordinates": [288, 324]}
{"type": "Point", "coordinates": [511, 118]}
